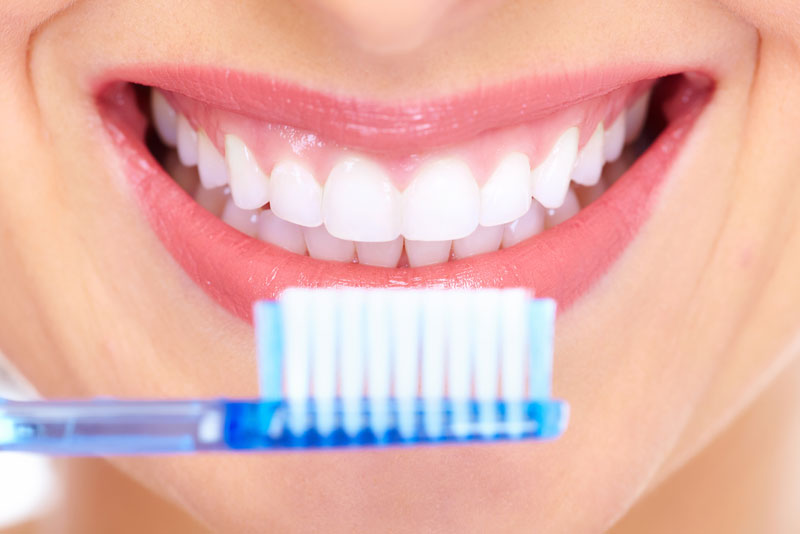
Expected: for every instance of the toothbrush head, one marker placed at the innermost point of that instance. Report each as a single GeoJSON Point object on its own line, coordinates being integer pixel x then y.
{"type": "Point", "coordinates": [384, 366]}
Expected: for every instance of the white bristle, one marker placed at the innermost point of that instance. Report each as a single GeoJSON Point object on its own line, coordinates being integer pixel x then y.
{"type": "Point", "coordinates": [433, 361]}
{"type": "Point", "coordinates": [487, 309]}
{"type": "Point", "coordinates": [379, 374]}
{"type": "Point", "coordinates": [405, 345]}
{"type": "Point", "coordinates": [460, 324]}
{"type": "Point", "coordinates": [353, 358]}
{"type": "Point", "coordinates": [297, 356]}
{"type": "Point", "coordinates": [513, 344]}
{"type": "Point", "coordinates": [323, 364]}
{"type": "Point", "coordinates": [405, 338]}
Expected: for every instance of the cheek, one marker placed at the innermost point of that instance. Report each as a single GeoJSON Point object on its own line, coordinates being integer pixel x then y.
{"type": "Point", "coordinates": [778, 17]}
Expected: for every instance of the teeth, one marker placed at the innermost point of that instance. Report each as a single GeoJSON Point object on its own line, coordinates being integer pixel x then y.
{"type": "Point", "coordinates": [249, 185]}
{"type": "Point", "coordinates": [506, 195]}
{"type": "Point", "coordinates": [550, 180]}
{"type": "Point", "coordinates": [246, 221]}
{"type": "Point", "coordinates": [164, 118]}
{"type": "Point", "coordinates": [525, 227]}
{"type": "Point", "coordinates": [614, 139]}
{"type": "Point", "coordinates": [442, 203]}
{"type": "Point", "coordinates": [284, 234]}
{"type": "Point", "coordinates": [187, 142]}
{"type": "Point", "coordinates": [385, 254]}
{"type": "Point", "coordinates": [295, 195]}
{"type": "Point", "coordinates": [323, 246]}
{"type": "Point", "coordinates": [483, 239]}
{"type": "Point", "coordinates": [210, 163]}
{"type": "Point", "coordinates": [636, 116]}
{"type": "Point", "coordinates": [360, 203]}
{"type": "Point", "coordinates": [421, 253]}
{"type": "Point", "coordinates": [212, 200]}
{"type": "Point", "coordinates": [570, 207]}
{"type": "Point", "coordinates": [591, 159]}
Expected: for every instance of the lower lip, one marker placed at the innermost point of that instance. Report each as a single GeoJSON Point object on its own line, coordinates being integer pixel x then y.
{"type": "Point", "coordinates": [236, 270]}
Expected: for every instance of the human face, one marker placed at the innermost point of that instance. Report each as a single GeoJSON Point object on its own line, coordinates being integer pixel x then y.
{"type": "Point", "coordinates": [675, 286]}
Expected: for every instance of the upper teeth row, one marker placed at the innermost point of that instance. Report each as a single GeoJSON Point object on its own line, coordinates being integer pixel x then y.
{"type": "Point", "coordinates": [359, 202]}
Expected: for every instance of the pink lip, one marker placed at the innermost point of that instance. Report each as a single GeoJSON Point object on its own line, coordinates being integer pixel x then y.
{"type": "Point", "coordinates": [379, 126]}
{"type": "Point", "coordinates": [237, 270]}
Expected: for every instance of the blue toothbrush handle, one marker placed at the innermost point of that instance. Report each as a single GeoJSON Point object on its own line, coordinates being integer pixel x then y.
{"type": "Point", "coordinates": [107, 427]}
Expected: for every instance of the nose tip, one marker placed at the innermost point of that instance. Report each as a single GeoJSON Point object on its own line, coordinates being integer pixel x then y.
{"type": "Point", "coordinates": [389, 26]}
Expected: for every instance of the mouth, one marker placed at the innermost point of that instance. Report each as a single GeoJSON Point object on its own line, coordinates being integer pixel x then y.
{"type": "Point", "coordinates": [255, 185]}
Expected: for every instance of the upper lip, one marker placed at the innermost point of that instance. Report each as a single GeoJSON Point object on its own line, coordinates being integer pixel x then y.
{"type": "Point", "coordinates": [377, 126]}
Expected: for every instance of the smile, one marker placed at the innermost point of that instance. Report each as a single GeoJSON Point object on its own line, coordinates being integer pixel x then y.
{"type": "Point", "coordinates": [255, 185]}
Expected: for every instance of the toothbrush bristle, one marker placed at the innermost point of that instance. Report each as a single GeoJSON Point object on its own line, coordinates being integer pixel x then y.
{"type": "Point", "coordinates": [414, 363]}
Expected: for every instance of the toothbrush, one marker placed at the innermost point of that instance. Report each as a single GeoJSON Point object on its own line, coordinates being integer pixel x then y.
{"type": "Point", "coordinates": [341, 368]}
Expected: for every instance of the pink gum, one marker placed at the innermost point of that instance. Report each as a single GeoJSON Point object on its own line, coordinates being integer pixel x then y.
{"type": "Point", "coordinates": [274, 142]}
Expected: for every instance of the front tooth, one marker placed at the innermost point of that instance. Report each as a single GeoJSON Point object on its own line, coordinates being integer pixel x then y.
{"type": "Point", "coordinates": [483, 239]}
{"type": "Point", "coordinates": [164, 118]}
{"type": "Point", "coordinates": [246, 221]}
{"type": "Point", "coordinates": [385, 254]}
{"type": "Point", "coordinates": [360, 203]}
{"type": "Point", "coordinates": [570, 207]}
{"type": "Point", "coordinates": [323, 246]}
{"type": "Point", "coordinates": [506, 195]}
{"type": "Point", "coordinates": [550, 180]}
{"type": "Point", "coordinates": [249, 185]}
{"type": "Point", "coordinates": [295, 195]}
{"type": "Point", "coordinates": [210, 163]}
{"type": "Point", "coordinates": [614, 139]}
{"type": "Point", "coordinates": [442, 203]}
{"type": "Point", "coordinates": [591, 159]}
{"type": "Point", "coordinates": [187, 142]}
{"type": "Point", "coordinates": [286, 235]}
{"type": "Point", "coordinates": [526, 226]}
{"type": "Point", "coordinates": [636, 116]}
{"type": "Point", "coordinates": [421, 253]}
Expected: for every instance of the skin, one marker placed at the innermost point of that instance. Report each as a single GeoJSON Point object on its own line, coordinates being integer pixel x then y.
{"type": "Point", "coordinates": [697, 317]}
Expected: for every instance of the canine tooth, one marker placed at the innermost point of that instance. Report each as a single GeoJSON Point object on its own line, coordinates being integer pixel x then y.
{"type": "Point", "coordinates": [506, 195]}
{"type": "Point", "coordinates": [212, 200]}
{"type": "Point", "coordinates": [246, 221]}
{"type": "Point", "coordinates": [165, 119]}
{"type": "Point", "coordinates": [550, 180]}
{"type": "Point", "coordinates": [570, 207]}
{"type": "Point", "coordinates": [286, 235]}
{"type": "Point", "coordinates": [187, 142]}
{"type": "Point", "coordinates": [588, 194]}
{"type": "Point", "coordinates": [249, 185]}
{"type": "Point", "coordinates": [210, 163]}
{"type": "Point", "coordinates": [636, 116]}
{"type": "Point", "coordinates": [385, 254]}
{"type": "Point", "coordinates": [614, 138]}
{"type": "Point", "coordinates": [421, 253]}
{"type": "Point", "coordinates": [360, 203]}
{"type": "Point", "coordinates": [295, 195]}
{"type": "Point", "coordinates": [483, 239]}
{"type": "Point", "coordinates": [591, 159]}
{"type": "Point", "coordinates": [442, 203]}
{"type": "Point", "coordinates": [323, 246]}
{"type": "Point", "coordinates": [526, 226]}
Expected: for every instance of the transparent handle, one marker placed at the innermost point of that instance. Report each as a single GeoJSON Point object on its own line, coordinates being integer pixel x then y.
{"type": "Point", "coordinates": [104, 427]}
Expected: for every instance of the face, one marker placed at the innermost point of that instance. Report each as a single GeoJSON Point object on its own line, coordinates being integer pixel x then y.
{"type": "Point", "coordinates": [131, 257]}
